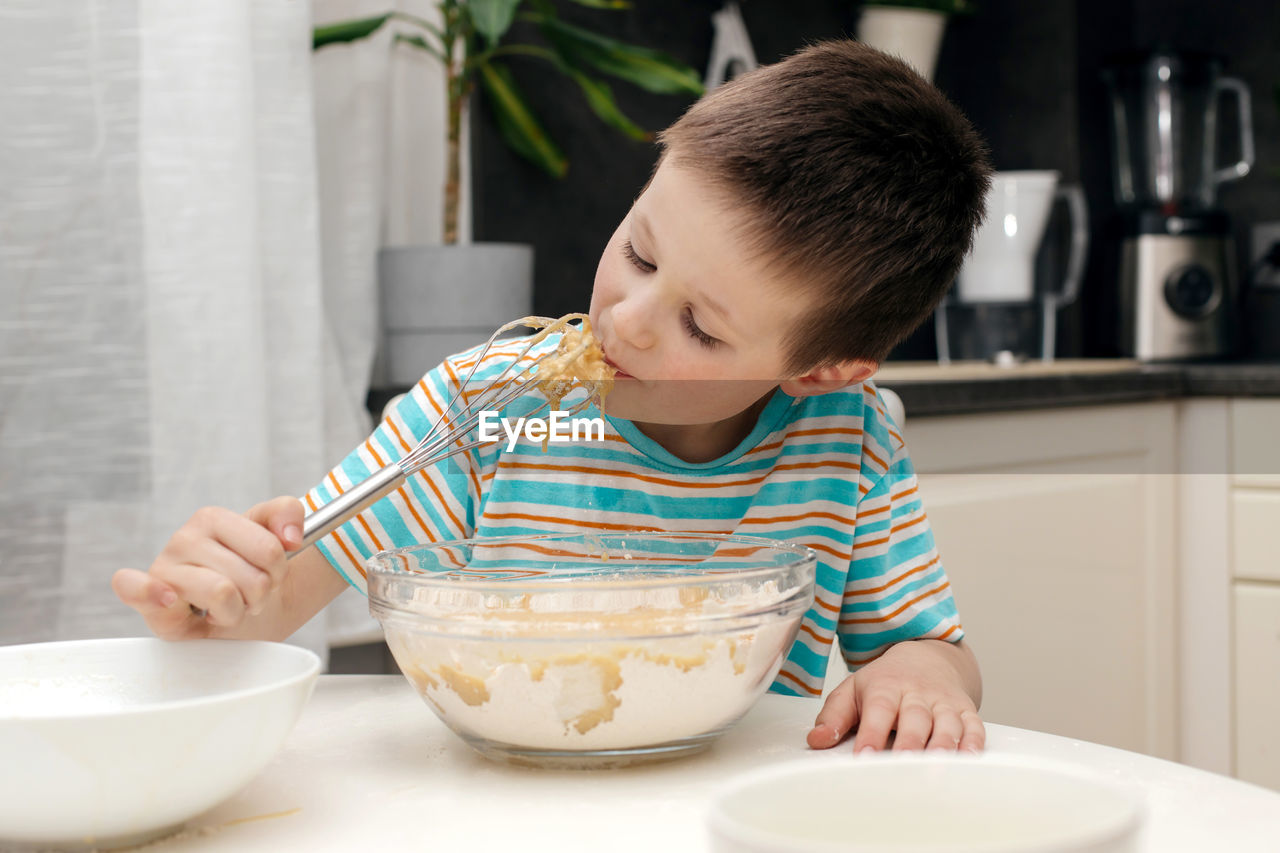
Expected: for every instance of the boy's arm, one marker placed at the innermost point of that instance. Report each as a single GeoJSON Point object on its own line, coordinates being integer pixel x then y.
{"type": "Point", "coordinates": [898, 625]}
{"type": "Point", "coordinates": [235, 569]}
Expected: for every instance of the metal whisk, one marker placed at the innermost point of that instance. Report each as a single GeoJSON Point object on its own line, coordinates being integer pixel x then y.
{"type": "Point", "coordinates": [445, 438]}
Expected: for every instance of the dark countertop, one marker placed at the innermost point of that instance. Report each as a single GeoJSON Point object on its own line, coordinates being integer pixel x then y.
{"type": "Point", "coordinates": [967, 388]}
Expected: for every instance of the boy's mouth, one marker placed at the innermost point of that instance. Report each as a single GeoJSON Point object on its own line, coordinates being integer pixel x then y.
{"type": "Point", "coordinates": [620, 373]}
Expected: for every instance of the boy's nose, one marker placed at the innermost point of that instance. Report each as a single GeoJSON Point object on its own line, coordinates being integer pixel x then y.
{"type": "Point", "coordinates": [631, 323]}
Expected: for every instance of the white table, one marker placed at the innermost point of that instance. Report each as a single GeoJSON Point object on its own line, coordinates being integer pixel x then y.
{"type": "Point", "coordinates": [369, 767]}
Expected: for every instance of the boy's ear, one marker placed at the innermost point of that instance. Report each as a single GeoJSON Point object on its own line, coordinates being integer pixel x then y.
{"type": "Point", "coordinates": [832, 377]}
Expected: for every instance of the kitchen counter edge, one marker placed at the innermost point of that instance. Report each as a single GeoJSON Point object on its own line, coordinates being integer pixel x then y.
{"type": "Point", "coordinates": [1142, 383]}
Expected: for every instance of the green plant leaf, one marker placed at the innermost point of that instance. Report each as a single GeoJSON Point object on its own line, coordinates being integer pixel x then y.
{"type": "Point", "coordinates": [600, 98]}
{"type": "Point", "coordinates": [492, 18]}
{"type": "Point", "coordinates": [346, 31]}
{"type": "Point", "coordinates": [517, 123]}
{"type": "Point", "coordinates": [420, 43]}
{"type": "Point", "coordinates": [652, 70]}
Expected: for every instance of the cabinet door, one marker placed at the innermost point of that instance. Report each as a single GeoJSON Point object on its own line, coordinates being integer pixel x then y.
{"type": "Point", "coordinates": [1255, 533]}
{"type": "Point", "coordinates": [1257, 683]}
{"type": "Point", "coordinates": [1255, 504]}
{"type": "Point", "coordinates": [1255, 442]}
{"type": "Point", "coordinates": [1056, 529]}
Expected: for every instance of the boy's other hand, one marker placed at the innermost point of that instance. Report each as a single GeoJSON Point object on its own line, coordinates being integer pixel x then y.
{"type": "Point", "coordinates": [924, 690]}
{"type": "Point", "coordinates": [217, 569]}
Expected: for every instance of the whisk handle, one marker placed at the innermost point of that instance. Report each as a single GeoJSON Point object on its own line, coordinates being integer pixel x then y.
{"type": "Point", "coordinates": [333, 514]}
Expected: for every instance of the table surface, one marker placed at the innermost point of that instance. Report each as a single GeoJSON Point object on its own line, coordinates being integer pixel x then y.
{"type": "Point", "coordinates": [369, 767]}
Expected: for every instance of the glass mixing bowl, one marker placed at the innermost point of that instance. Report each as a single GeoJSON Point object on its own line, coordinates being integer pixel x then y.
{"type": "Point", "coordinates": [579, 650]}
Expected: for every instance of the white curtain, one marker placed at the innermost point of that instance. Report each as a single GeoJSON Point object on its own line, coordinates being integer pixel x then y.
{"type": "Point", "coordinates": [186, 313]}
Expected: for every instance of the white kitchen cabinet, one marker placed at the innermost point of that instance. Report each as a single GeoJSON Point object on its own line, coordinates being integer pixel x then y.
{"type": "Point", "coordinates": [1257, 683]}
{"type": "Point", "coordinates": [1255, 442]}
{"type": "Point", "coordinates": [1255, 494]}
{"type": "Point", "coordinates": [1255, 533]}
{"type": "Point", "coordinates": [1255, 566]}
{"type": "Point", "coordinates": [1057, 530]}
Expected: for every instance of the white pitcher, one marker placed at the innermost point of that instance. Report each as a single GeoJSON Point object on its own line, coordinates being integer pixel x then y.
{"type": "Point", "coordinates": [1001, 267]}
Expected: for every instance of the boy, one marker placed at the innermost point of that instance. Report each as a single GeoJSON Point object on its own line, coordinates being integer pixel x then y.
{"type": "Point", "coordinates": [800, 222]}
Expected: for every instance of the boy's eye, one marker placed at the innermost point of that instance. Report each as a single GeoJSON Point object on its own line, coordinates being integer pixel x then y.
{"type": "Point", "coordinates": [696, 333]}
{"type": "Point", "coordinates": [637, 261]}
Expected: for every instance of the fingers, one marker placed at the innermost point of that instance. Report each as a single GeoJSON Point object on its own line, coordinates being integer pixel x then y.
{"type": "Point", "coordinates": [165, 612]}
{"type": "Point", "coordinates": [916, 725]}
{"type": "Point", "coordinates": [948, 729]}
{"type": "Point", "coordinates": [974, 738]}
{"type": "Point", "coordinates": [837, 718]}
{"type": "Point", "coordinates": [879, 712]}
{"type": "Point", "coordinates": [231, 544]}
{"type": "Point", "coordinates": [283, 516]}
{"type": "Point", "coordinates": [220, 563]}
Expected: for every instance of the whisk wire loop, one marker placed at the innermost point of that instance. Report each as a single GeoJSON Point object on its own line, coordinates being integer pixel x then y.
{"type": "Point", "coordinates": [446, 438]}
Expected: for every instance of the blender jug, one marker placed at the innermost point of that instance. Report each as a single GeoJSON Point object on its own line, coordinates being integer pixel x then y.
{"type": "Point", "coordinates": [1164, 121]}
{"type": "Point", "coordinates": [1175, 262]}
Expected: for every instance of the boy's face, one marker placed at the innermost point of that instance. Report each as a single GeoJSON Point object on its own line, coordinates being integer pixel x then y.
{"type": "Point", "coordinates": [694, 323]}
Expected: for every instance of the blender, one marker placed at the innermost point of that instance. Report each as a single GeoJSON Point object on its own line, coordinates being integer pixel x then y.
{"type": "Point", "coordinates": [1176, 267]}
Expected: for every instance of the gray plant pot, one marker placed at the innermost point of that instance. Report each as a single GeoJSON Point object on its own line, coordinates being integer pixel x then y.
{"type": "Point", "coordinates": [439, 300]}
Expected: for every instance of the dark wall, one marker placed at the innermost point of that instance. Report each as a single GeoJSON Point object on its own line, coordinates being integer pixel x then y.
{"type": "Point", "coordinates": [1028, 74]}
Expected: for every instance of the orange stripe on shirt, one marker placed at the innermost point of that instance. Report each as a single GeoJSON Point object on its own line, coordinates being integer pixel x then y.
{"type": "Point", "coordinates": [824, 463]}
{"type": "Point", "coordinates": [664, 481]}
{"type": "Point", "coordinates": [354, 560]}
{"type": "Point", "coordinates": [813, 691]}
{"type": "Point", "coordinates": [804, 516]}
{"type": "Point", "coordinates": [826, 431]}
{"type": "Point", "coordinates": [885, 618]}
{"type": "Point", "coordinates": [657, 481]}
{"type": "Point", "coordinates": [841, 556]}
{"type": "Point", "coordinates": [893, 581]}
{"type": "Point", "coordinates": [919, 519]}
{"type": "Point", "coordinates": [823, 641]}
{"type": "Point", "coordinates": [900, 495]}
{"type": "Point", "coordinates": [373, 537]}
{"type": "Point", "coordinates": [551, 519]}
{"type": "Point", "coordinates": [834, 608]}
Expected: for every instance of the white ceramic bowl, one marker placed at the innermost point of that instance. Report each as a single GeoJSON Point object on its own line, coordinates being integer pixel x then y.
{"type": "Point", "coordinates": [924, 803]}
{"type": "Point", "coordinates": [112, 742]}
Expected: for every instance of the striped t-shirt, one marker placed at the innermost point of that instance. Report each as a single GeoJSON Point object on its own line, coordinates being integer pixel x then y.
{"type": "Point", "coordinates": [827, 471]}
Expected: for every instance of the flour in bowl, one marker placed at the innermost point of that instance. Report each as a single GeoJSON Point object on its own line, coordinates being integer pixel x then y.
{"type": "Point", "coordinates": [635, 680]}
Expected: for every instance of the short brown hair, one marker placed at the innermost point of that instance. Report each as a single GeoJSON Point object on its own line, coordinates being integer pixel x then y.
{"type": "Point", "coordinates": [859, 179]}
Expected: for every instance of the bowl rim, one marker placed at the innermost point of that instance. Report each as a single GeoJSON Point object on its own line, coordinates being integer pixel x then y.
{"type": "Point", "coordinates": [378, 565]}
{"type": "Point", "coordinates": [310, 672]}
{"type": "Point", "coordinates": [721, 824]}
